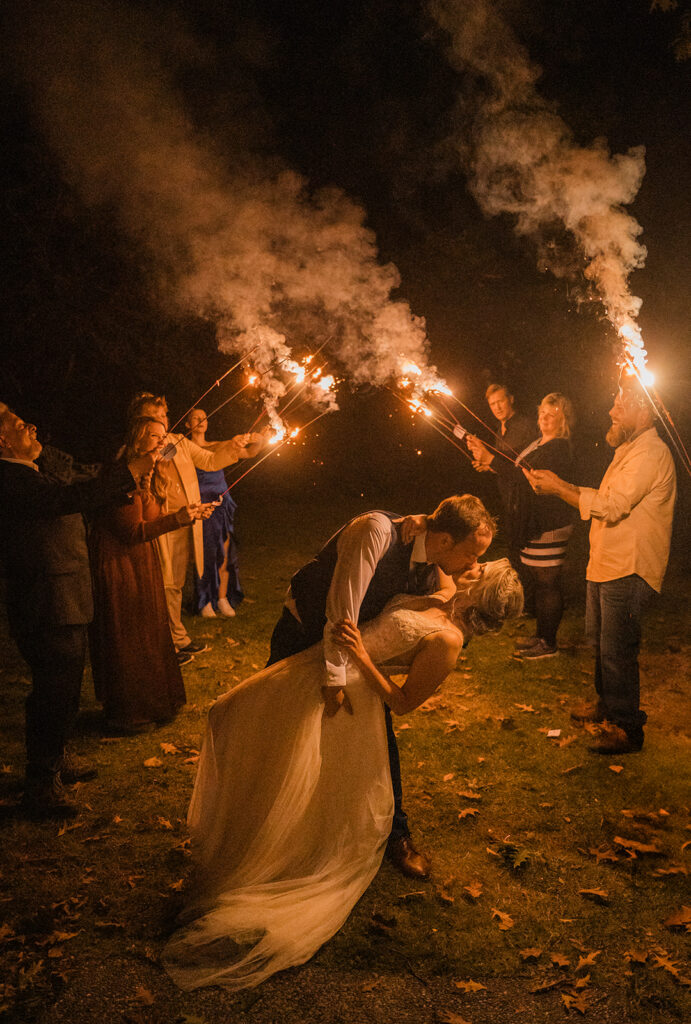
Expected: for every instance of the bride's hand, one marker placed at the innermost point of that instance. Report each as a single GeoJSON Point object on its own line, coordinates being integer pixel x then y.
{"type": "Point", "coordinates": [412, 526]}
{"type": "Point", "coordinates": [346, 634]}
{"type": "Point", "coordinates": [335, 698]}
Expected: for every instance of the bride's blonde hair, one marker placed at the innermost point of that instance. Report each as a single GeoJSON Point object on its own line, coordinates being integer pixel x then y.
{"type": "Point", "coordinates": [495, 597]}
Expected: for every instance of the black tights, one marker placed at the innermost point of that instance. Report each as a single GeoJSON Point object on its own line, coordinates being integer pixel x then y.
{"type": "Point", "coordinates": [549, 601]}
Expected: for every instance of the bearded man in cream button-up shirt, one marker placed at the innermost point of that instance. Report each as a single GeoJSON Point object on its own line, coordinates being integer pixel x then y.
{"type": "Point", "coordinates": [631, 516]}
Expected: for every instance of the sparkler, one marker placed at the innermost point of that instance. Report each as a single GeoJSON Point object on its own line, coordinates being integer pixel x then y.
{"type": "Point", "coordinates": [216, 384]}
{"type": "Point", "coordinates": [276, 443]}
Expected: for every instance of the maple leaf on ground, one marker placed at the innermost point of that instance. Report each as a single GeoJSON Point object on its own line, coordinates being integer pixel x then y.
{"type": "Point", "coordinates": [470, 986]}
{"type": "Point", "coordinates": [468, 794]}
{"type": "Point", "coordinates": [560, 961]}
{"type": "Point", "coordinates": [582, 982]}
{"type": "Point", "coordinates": [664, 962]}
{"type": "Point", "coordinates": [448, 777]}
{"type": "Point", "coordinates": [474, 890]}
{"type": "Point", "coordinates": [607, 855]}
{"type": "Point", "coordinates": [468, 812]}
{"type": "Point", "coordinates": [169, 748]}
{"type": "Point", "coordinates": [505, 920]}
{"type": "Point", "coordinates": [673, 869]}
{"type": "Point", "coordinates": [444, 895]}
{"type": "Point", "coordinates": [544, 985]}
{"type": "Point", "coordinates": [634, 956]}
{"type": "Point", "coordinates": [616, 768]}
{"type": "Point", "coordinates": [527, 708]}
{"type": "Point", "coordinates": [164, 823]}
{"type": "Point", "coordinates": [633, 847]}
{"type": "Point", "coordinates": [153, 762]}
{"type": "Point", "coordinates": [447, 1017]}
{"type": "Point", "coordinates": [531, 954]}
{"type": "Point", "coordinates": [143, 996]}
{"type": "Point", "coordinates": [680, 919]}
{"type": "Point", "coordinates": [589, 960]}
{"type": "Point", "coordinates": [577, 1002]}
{"type": "Point", "coordinates": [177, 886]}
{"type": "Point", "coordinates": [596, 895]}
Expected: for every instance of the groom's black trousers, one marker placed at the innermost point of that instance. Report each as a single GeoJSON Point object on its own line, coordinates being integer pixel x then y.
{"type": "Point", "coordinates": [290, 637]}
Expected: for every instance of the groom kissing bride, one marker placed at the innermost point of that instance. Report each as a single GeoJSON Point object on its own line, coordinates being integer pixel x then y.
{"type": "Point", "coordinates": [298, 790]}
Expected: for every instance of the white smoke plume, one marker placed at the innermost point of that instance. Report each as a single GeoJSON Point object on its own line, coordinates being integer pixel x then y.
{"type": "Point", "coordinates": [522, 160]}
{"type": "Point", "coordinates": [229, 240]}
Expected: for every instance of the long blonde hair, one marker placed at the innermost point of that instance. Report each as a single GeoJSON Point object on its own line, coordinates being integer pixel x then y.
{"type": "Point", "coordinates": [486, 604]}
{"type": "Point", "coordinates": [156, 484]}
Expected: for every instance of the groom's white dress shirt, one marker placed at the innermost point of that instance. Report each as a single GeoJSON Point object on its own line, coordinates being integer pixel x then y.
{"type": "Point", "coordinates": [361, 546]}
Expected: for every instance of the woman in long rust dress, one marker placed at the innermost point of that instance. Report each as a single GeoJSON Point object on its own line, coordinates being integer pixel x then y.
{"type": "Point", "coordinates": [136, 673]}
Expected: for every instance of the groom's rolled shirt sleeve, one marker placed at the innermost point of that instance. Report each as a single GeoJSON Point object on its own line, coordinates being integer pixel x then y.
{"type": "Point", "coordinates": [360, 548]}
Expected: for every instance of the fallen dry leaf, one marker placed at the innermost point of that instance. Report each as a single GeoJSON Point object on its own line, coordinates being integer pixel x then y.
{"type": "Point", "coordinates": [447, 1017]}
{"type": "Point", "coordinates": [544, 985]}
{"type": "Point", "coordinates": [582, 982]}
{"type": "Point", "coordinates": [505, 920]}
{"type": "Point", "coordinates": [573, 768]}
{"type": "Point", "coordinates": [606, 854]}
{"type": "Point", "coordinates": [143, 996]}
{"type": "Point", "coordinates": [596, 895]}
{"type": "Point", "coordinates": [177, 886]}
{"type": "Point", "coordinates": [632, 847]}
{"type": "Point", "coordinates": [169, 748]}
{"type": "Point", "coordinates": [164, 823]}
{"type": "Point", "coordinates": [616, 768]}
{"type": "Point", "coordinates": [470, 986]}
{"type": "Point", "coordinates": [474, 890]}
{"type": "Point", "coordinates": [448, 777]}
{"type": "Point", "coordinates": [468, 812]}
{"type": "Point", "coordinates": [531, 954]}
{"type": "Point", "coordinates": [634, 956]}
{"type": "Point", "coordinates": [560, 961]}
{"type": "Point", "coordinates": [468, 794]}
{"type": "Point", "coordinates": [589, 960]}
{"type": "Point", "coordinates": [577, 1002]}
{"type": "Point", "coordinates": [527, 708]}
{"type": "Point", "coordinates": [680, 919]}
{"type": "Point", "coordinates": [369, 985]}
{"type": "Point", "coordinates": [153, 762]}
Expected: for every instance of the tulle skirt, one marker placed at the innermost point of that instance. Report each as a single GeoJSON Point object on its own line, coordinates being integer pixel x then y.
{"type": "Point", "coordinates": [290, 815]}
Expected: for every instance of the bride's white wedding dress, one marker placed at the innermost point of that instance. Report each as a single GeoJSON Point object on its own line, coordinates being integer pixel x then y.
{"type": "Point", "coordinates": [290, 813]}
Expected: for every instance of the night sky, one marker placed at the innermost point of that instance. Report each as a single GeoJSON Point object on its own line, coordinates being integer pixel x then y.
{"type": "Point", "coordinates": [358, 95]}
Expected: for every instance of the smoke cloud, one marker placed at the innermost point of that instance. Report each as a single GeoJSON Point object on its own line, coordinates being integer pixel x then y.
{"type": "Point", "coordinates": [254, 250]}
{"type": "Point", "coordinates": [522, 160]}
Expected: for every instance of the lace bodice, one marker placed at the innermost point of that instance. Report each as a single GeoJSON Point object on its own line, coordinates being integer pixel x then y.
{"type": "Point", "coordinates": [393, 637]}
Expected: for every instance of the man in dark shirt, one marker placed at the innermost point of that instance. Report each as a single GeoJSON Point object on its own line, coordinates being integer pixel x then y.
{"type": "Point", "coordinates": [515, 432]}
{"type": "Point", "coordinates": [49, 602]}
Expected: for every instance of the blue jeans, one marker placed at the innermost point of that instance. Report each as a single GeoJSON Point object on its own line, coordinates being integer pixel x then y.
{"type": "Point", "coordinates": [613, 615]}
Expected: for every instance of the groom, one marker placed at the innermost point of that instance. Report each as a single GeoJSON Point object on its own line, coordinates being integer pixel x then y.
{"type": "Point", "coordinates": [359, 569]}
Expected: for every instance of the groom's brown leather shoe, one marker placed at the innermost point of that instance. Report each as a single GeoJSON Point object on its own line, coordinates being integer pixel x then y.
{"type": "Point", "coordinates": [406, 859]}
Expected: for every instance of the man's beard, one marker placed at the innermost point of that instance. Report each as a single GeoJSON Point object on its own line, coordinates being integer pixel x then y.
{"type": "Point", "coordinates": [616, 435]}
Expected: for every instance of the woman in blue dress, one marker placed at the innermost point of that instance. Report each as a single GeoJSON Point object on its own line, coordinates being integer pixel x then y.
{"type": "Point", "coordinates": [218, 591]}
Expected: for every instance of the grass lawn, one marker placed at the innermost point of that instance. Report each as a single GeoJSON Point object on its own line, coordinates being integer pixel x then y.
{"type": "Point", "coordinates": [559, 878]}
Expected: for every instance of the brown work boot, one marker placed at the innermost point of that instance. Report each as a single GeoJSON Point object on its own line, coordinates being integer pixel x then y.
{"type": "Point", "coordinates": [589, 711]}
{"type": "Point", "coordinates": [406, 859]}
{"type": "Point", "coordinates": [45, 797]}
{"type": "Point", "coordinates": [615, 740]}
{"type": "Point", "coordinates": [76, 769]}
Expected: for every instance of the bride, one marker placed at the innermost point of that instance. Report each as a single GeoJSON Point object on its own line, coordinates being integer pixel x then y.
{"type": "Point", "coordinates": [291, 809]}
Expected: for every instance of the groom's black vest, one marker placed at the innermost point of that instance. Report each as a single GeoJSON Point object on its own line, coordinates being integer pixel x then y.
{"type": "Point", "coordinates": [310, 585]}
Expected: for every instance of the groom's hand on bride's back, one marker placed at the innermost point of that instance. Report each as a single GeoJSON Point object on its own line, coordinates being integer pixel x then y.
{"type": "Point", "coordinates": [335, 698]}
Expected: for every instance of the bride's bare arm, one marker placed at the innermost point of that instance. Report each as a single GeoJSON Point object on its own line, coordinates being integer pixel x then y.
{"type": "Point", "coordinates": [435, 658]}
